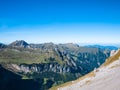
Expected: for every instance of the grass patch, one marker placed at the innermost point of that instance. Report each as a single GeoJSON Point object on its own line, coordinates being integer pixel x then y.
{"type": "Point", "coordinates": [27, 56]}
{"type": "Point", "coordinates": [112, 59]}
{"type": "Point", "coordinates": [25, 77]}
{"type": "Point", "coordinates": [114, 66]}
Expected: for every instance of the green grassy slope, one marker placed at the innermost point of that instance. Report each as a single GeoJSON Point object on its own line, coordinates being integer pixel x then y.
{"type": "Point", "coordinates": [28, 56]}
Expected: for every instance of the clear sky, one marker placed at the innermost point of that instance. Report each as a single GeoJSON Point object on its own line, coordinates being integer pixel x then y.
{"type": "Point", "coordinates": [60, 21]}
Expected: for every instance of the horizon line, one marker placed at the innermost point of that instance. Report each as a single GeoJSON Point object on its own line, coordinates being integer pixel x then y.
{"type": "Point", "coordinates": [78, 43]}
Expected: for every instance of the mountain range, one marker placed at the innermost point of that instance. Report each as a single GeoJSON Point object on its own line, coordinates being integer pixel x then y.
{"type": "Point", "coordinates": [47, 64]}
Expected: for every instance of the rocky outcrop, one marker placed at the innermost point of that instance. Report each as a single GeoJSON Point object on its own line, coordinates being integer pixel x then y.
{"type": "Point", "coordinates": [39, 68]}
{"type": "Point", "coordinates": [19, 43]}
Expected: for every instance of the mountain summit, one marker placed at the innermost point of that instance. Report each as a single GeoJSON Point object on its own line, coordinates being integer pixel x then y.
{"type": "Point", "coordinates": [19, 43]}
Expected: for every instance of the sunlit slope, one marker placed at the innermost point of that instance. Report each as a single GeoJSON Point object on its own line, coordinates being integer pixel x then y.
{"type": "Point", "coordinates": [112, 58]}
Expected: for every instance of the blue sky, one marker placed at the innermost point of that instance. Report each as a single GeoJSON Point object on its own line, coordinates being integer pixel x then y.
{"type": "Point", "coordinates": [60, 21]}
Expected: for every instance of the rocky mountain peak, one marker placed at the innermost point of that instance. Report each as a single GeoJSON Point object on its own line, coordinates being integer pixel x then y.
{"type": "Point", "coordinates": [19, 43]}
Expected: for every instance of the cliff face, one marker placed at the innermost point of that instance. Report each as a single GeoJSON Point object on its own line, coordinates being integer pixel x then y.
{"type": "Point", "coordinates": [84, 63]}
{"type": "Point", "coordinates": [11, 81]}
{"type": "Point", "coordinates": [59, 59]}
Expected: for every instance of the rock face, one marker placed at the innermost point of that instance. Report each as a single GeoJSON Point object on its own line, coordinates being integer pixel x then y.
{"type": "Point", "coordinates": [11, 81]}
{"type": "Point", "coordinates": [84, 63]}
